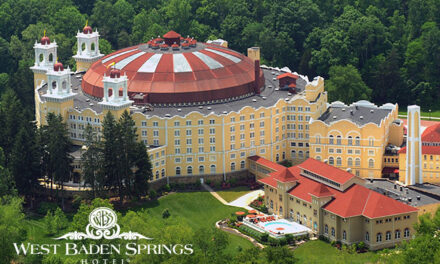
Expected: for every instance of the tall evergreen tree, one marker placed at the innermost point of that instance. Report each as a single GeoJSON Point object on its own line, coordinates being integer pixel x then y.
{"type": "Point", "coordinates": [127, 140]}
{"type": "Point", "coordinates": [92, 159]}
{"type": "Point", "coordinates": [111, 152]}
{"type": "Point", "coordinates": [142, 170]}
{"type": "Point", "coordinates": [7, 184]}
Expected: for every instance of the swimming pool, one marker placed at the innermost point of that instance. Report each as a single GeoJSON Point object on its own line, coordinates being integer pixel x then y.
{"type": "Point", "coordinates": [281, 227]}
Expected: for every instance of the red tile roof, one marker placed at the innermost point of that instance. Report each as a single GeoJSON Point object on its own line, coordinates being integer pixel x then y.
{"type": "Point", "coordinates": [431, 134]}
{"type": "Point", "coordinates": [321, 191]}
{"type": "Point", "coordinates": [287, 74]}
{"type": "Point", "coordinates": [171, 34]}
{"type": "Point", "coordinates": [284, 175]}
{"type": "Point", "coordinates": [267, 163]}
{"type": "Point", "coordinates": [354, 201]}
{"type": "Point", "coordinates": [430, 150]}
{"type": "Point", "coordinates": [327, 171]}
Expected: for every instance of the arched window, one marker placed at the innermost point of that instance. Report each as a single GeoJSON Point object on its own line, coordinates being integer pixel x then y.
{"type": "Point", "coordinates": [54, 85]}
{"type": "Point", "coordinates": [371, 163]}
{"type": "Point", "coordinates": [281, 210]}
{"type": "Point", "coordinates": [277, 157]}
{"type": "Point", "coordinates": [212, 168]}
{"type": "Point", "coordinates": [367, 236]}
{"type": "Point", "coordinates": [357, 162]}
{"type": "Point", "coordinates": [201, 169]}
{"type": "Point", "coordinates": [83, 46]}
{"type": "Point", "coordinates": [242, 164]}
{"type": "Point", "coordinates": [371, 142]}
{"type": "Point", "coordinates": [51, 57]}
{"type": "Point", "coordinates": [284, 155]}
{"type": "Point", "coordinates": [326, 229]}
{"type": "Point", "coordinates": [233, 166]}
{"type": "Point", "coordinates": [333, 231]}
{"type": "Point", "coordinates": [300, 154]}
{"type": "Point", "coordinates": [406, 232]}
{"type": "Point", "coordinates": [350, 140]}
{"type": "Point", "coordinates": [357, 141]}
{"type": "Point", "coordinates": [298, 217]}
{"type": "Point", "coordinates": [162, 173]}
{"type": "Point", "coordinates": [388, 235]}
{"type": "Point", "coordinates": [307, 154]}
{"type": "Point", "coordinates": [397, 234]}
{"type": "Point", "coordinates": [315, 226]}
{"type": "Point", "coordinates": [271, 204]}
{"type": "Point", "coordinates": [318, 139]}
{"type": "Point", "coordinates": [349, 162]}
{"type": "Point", "coordinates": [331, 161]}
{"type": "Point", "coordinates": [157, 175]}
{"type": "Point", "coordinates": [338, 140]}
{"type": "Point", "coordinates": [331, 140]}
{"type": "Point", "coordinates": [293, 154]}
{"type": "Point", "coordinates": [64, 85]}
{"type": "Point", "coordinates": [178, 171]}
{"type": "Point", "coordinates": [189, 170]}
{"type": "Point", "coordinates": [41, 57]}
{"type": "Point", "coordinates": [344, 235]}
{"type": "Point", "coordinates": [379, 237]}
{"type": "Point", "coordinates": [318, 158]}
{"type": "Point", "coordinates": [338, 161]}
{"type": "Point", "coordinates": [292, 215]}
{"type": "Point", "coordinates": [92, 47]}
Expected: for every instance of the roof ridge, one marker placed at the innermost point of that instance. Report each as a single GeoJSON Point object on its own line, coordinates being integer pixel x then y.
{"type": "Point", "coordinates": [366, 201]}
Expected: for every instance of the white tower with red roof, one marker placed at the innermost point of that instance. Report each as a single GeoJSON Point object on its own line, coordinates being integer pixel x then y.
{"type": "Point", "coordinates": [45, 56]}
{"type": "Point", "coordinates": [414, 147]}
{"type": "Point", "coordinates": [88, 48]}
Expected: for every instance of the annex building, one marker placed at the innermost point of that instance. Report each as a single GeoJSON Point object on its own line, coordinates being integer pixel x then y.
{"type": "Point", "coordinates": [334, 203]}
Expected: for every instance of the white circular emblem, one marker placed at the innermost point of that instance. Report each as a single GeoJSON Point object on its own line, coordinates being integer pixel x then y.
{"type": "Point", "coordinates": [103, 218]}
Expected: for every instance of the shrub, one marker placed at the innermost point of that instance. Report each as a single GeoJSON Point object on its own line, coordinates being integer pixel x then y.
{"type": "Point", "coordinates": [152, 194]}
{"type": "Point", "coordinates": [323, 238]}
{"type": "Point", "coordinates": [264, 237]}
{"type": "Point", "coordinates": [289, 239]}
{"type": "Point", "coordinates": [46, 206]}
{"type": "Point", "coordinates": [167, 188]}
{"type": "Point", "coordinates": [166, 213]}
{"type": "Point", "coordinates": [273, 241]}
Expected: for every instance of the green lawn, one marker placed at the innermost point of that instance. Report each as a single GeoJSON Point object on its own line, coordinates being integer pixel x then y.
{"type": "Point", "coordinates": [424, 113]}
{"type": "Point", "coordinates": [233, 193]}
{"type": "Point", "coordinates": [200, 210]}
{"type": "Point", "coordinates": [321, 252]}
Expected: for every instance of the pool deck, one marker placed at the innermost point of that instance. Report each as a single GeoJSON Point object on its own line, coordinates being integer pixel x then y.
{"type": "Point", "coordinates": [301, 230]}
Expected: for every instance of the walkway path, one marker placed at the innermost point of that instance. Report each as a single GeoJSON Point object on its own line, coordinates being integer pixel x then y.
{"type": "Point", "coordinates": [216, 195]}
{"type": "Point", "coordinates": [246, 199]}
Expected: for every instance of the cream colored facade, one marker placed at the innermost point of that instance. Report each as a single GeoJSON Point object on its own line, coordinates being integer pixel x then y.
{"type": "Point", "coordinates": [348, 145]}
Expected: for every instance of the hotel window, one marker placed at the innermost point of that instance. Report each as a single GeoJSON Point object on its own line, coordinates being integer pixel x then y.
{"type": "Point", "coordinates": [371, 142]}
{"type": "Point", "coordinates": [331, 140]}
{"type": "Point", "coordinates": [211, 121]}
{"type": "Point", "coordinates": [357, 151]}
{"type": "Point", "coordinates": [349, 151]}
{"type": "Point", "coordinates": [189, 159]}
{"type": "Point", "coordinates": [300, 154]}
{"type": "Point", "coordinates": [379, 237]}
{"type": "Point", "coordinates": [177, 142]}
{"type": "Point", "coordinates": [339, 151]}
{"type": "Point", "coordinates": [200, 131]}
{"type": "Point", "coordinates": [252, 116]}
{"type": "Point", "coordinates": [162, 173]}
{"type": "Point", "coordinates": [350, 140]}
{"type": "Point", "coordinates": [357, 162]}
{"type": "Point", "coordinates": [242, 136]}
{"type": "Point", "coordinates": [318, 158]}
{"type": "Point", "coordinates": [318, 140]}
{"type": "Point", "coordinates": [157, 175]}
{"type": "Point", "coordinates": [232, 129]}
{"type": "Point", "coordinates": [331, 161]}
{"type": "Point", "coordinates": [212, 140]}
{"type": "Point", "coordinates": [176, 133]}
{"type": "Point", "coordinates": [333, 231]}
{"type": "Point", "coordinates": [261, 115]}
{"type": "Point", "coordinates": [388, 235]}
{"type": "Point", "coordinates": [200, 122]}
{"type": "Point", "coordinates": [232, 119]}
{"type": "Point", "coordinates": [189, 170]}
{"type": "Point", "coordinates": [349, 162]}
{"type": "Point", "coordinates": [262, 124]}
{"type": "Point", "coordinates": [242, 164]}
{"type": "Point", "coordinates": [156, 133]}
{"type": "Point", "coordinates": [271, 204]}
{"type": "Point", "coordinates": [242, 118]}
{"type": "Point", "coordinates": [252, 135]}
{"type": "Point", "coordinates": [397, 234]}
{"type": "Point", "coordinates": [242, 154]}
{"type": "Point", "coordinates": [338, 140]}
{"type": "Point", "coordinates": [201, 169]}
{"type": "Point", "coordinates": [406, 232]}
{"type": "Point", "coordinates": [177, 171]}
{"type": "Point", "coordinates": [155, 123]}
{"type": "Point", "coordinates": [177, 150]}
{"type": "Point", "coordinates": [189, 150]}
{"type": "Point", "coordinates": [144, 124]}
{"type": "Point", "coordinates": [212, 168]}
{"type": "Point", "coordinates": [293, 154]}
{"type": "Point", "coordinates": [156, 142]}
{"type": "Point", "coordinates": [212, 148]}
{"type": "Point", "coordinates": [344, 235]}
{"type": "Point", "coordinates": [262, 133]}
{"type": "Point", "coordinates": [144, 133]}
{"type": "Point", "coordinates": [188, 122]}
{"type": "Point", "coordinates": [189, 141]}
{"type": "Point", "coordinates": [177, 123]}
{"type": "Point", "coordinates": [371, 163]}
{"type": "Point", "coordinates": [201, 159]}
{"type": "Point", "coordinates": [338, 161]}
{"type": "Point", "coordinates": [300, 118]}
{"type": "Point", "coordinates": [318, 150]}
{"type": "Point", "coordinates": [200, 140]}
{"type": "Point", "coordinates": [241, 127]}
{"type": "Point", "coordinates": [188, 132]}
{"type": "Point", "coordinates": [212, 131]}
{"type": "Point", "coordinates": [357, 141]}
{"type": "Point", "coordinates": [371, 153]}
{"type": "Point", "coordinates": [367, 236]}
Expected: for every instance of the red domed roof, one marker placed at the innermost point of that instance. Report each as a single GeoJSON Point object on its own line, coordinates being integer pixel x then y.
{"type": "Point", "coordinates": [58, 66]}
{"type": "Point", "coordinates": [115, 73]}
{"type": "Point", "coordinates": [87, 30]}
{"type": "Point", "coordinates": [45, 40]}
{"type": "Point", "coordinates": [198, 74]}
{"type": "Point", "coordinates": [431, 134]}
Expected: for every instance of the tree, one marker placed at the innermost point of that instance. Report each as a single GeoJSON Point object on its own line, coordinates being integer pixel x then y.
{"type": "Point", "coordinates": [7, 184]}
{"type": "Point", "coordinates": [68, 20]}
{"type": "Point", "coordinates": [110, 152]}
{"type": "Point", "coordinates": [143, 171]}
{"type": "Point", "coordinates": [345, 84]}
{"type": "Point", "coordinates": [92, 160]}
{"type": "Point", "coordinates": [12, 227]}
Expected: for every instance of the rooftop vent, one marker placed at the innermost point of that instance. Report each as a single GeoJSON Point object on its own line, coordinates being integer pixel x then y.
{"type": "Point", "coordinates": [361, 117]}
{"type": "Point", "coordinates": [351, 112]}
{"type": "Point", "coordinates": [401, 188]}
{"type": "Point", "coordinates": [168, 115]}
{"type": "Point", "coordinates": [225, 112]}
{"type": "Point", "coordinates": [91, 104]}
{"type": "Point", "coordinates": [179, 110]}
{"type": "Point", "coordinates": [277, 89]}
{"type": "Point", "coordinates": [343, 109]}
{"type": "Point", "coordinates": [289, 94]}
{"type": "Point", "coordinates": [254, 100]}
{"type": "Point", "coordinates": [348, 170]}
{"type": "Point", "coordinates": [409, 199]}
{"type": "Point", "coordinates": [418, 197]}
{"type": "Point", "coordinates": [326, 161]}
{"type": "Point", "coordinates": [209, 108]}
{"type": "Point", "coordinates": [264, 97]}
{"type": "Point", "coordinates": [334, 117]}
{"type": "Point", "coordinates": [200, 107]}
{"type": "Point", "coordinates": [371, 111]}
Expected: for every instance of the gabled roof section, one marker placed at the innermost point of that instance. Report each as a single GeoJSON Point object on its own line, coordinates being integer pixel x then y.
{"type": "Point", "coordinates": [287, 74]}
{"type": "Point", "coordinates": [285, 175]}
{"type": "Point", "coordinates": [171, 34]}
{"type": "Point", "coordinates": [267, 163]}
{"type": "Point", "coordinates": [431, 134]}
{"type": "Point", "coordinates": [321, 191]}
{"type": "Point", "coordinates": [379, 205]}
{"type": "Point", "coordinates": [269, 181]}
{"type": "Point", "coordinates": [326, 171]}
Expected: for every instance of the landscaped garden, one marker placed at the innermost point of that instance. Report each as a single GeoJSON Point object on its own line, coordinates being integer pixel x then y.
{"type": "Point", "coordinates": [233, 193]}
